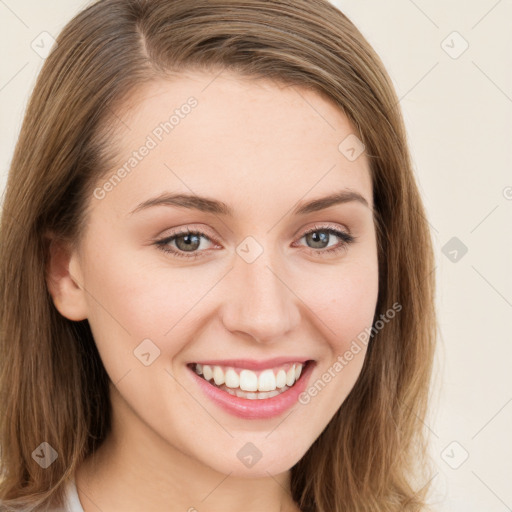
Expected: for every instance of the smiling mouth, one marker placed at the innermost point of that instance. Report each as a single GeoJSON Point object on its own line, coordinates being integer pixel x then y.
{"type": "Point", "coordinates": [253, 385]}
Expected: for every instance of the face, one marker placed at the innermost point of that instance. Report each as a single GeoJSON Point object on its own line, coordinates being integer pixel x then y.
{"type": "Point", "coordinates": [247, 279]}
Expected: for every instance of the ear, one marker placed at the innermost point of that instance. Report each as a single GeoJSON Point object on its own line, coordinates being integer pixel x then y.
{"type": "Point", "coordinates": [64, 280]}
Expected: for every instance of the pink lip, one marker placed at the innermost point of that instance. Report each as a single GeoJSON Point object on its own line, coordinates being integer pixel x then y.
{"type": "Point", "coordinates": [252, 364]}
{"type": "Point", "coordinates": [255, 409]}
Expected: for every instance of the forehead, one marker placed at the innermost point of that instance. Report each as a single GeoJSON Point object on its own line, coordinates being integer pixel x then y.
{"type": "Point", "coordinates": [211, 133]}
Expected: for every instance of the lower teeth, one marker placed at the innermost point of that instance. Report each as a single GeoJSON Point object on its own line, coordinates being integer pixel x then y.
{"type": "Point", "coordinates": [258, 395]}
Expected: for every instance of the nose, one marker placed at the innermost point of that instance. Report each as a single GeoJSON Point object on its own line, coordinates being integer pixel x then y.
{"type": "Point", "coordinates": [259, 301]}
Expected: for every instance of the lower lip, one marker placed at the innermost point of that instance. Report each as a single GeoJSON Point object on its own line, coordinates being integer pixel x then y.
{"type": "Point", "coordinates": [257, 408]}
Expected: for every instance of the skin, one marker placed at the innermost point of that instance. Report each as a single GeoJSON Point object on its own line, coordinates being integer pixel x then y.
{"type": "Point", "coordinates": [260, 147]}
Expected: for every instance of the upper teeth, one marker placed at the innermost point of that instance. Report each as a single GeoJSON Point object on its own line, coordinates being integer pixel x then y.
{"type": "Point", "coordinates": [247, 380]}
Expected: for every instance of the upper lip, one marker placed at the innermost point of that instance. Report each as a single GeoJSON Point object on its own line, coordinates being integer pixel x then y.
{"type": "Point", "coordinates": [253, 364]}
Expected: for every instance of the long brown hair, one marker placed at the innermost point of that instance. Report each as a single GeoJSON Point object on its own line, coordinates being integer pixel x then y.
{"type": "Point", "coordinates": [54, 388]}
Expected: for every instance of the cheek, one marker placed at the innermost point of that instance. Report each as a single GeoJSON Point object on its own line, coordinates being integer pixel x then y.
{"type": "Point", "coordinates": [350, 304]}
{"type": "Point", "coordinates": [131, 300]}
{"type": "Point", "coordinates": [342, 305]}
{"type": "Point", "coordinates": [344, 300]}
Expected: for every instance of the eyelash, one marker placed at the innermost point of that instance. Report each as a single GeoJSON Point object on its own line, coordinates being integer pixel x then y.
{"type": "Point", "coordinates": [346, 239]}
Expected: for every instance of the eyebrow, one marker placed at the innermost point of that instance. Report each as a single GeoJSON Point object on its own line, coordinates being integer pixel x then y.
{"type": "Point", "coordinates": [209, 205]}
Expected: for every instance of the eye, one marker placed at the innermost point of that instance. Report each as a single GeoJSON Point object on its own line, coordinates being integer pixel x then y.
{"type": "Point", "coordinates": [187, 243]}
{"type": "Point", "coordinates": [320, 236]}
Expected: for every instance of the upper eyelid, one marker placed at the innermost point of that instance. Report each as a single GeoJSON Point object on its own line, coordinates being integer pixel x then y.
{"type": "Point", "coordinates": [319, 226]}
{"type": "Point", "coordinates": [193, 230]}
{"type": "Point", "coordinates": [205, 232]}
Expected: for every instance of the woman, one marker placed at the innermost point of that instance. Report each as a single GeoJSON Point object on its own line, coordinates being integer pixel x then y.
{"type": "Point", "coordinates": [216, 269]}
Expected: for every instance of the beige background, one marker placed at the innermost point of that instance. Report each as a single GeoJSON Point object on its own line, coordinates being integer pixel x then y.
{"type": "Point", "coordinates": [458, 112]}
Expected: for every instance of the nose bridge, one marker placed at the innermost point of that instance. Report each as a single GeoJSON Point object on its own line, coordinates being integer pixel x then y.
{"type": "Point", "coordinates": [259, 303]}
